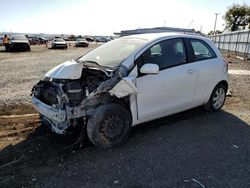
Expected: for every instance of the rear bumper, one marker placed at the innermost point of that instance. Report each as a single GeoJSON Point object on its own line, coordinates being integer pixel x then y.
{"type": "Point", "coordinates": [81, 45]}
{"type": "Point", "coordinates": [59, 45]}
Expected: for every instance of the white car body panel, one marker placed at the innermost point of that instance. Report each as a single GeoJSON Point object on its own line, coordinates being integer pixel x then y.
{"type": "Point", "coordinates": [170, 91]}
{"type": "Point", "coordinates": [207, 74]}
{"type": "Point", "coordinates": [173, 92]}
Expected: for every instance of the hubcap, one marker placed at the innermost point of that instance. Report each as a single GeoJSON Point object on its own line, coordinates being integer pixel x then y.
{"type": "Point", "coordinates": [112, 127]}
{"type": "Point", "coordinates": [218, 98]}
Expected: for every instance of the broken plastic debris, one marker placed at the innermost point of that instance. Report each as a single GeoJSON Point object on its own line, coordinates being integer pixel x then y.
{"type": "Point", "coordinates": [235, 146]}
{"type": "Point", "coordinates": [196, 181]}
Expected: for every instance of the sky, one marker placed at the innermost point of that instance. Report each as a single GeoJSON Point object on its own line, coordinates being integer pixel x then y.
{"type": "Point", "coordinates": [104, 17]}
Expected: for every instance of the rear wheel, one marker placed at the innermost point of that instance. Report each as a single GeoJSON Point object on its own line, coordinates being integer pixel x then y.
{"type": "Point", "coordinates": [109, 126]}
{"type": "Point", "coordinates": [217, 98]}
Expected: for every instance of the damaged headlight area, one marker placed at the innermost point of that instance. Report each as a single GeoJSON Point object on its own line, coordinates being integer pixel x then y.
{"type": "Point", "coordinates": [65, 103]}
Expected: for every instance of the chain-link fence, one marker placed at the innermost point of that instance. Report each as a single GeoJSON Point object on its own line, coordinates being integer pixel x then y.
{"type": "Point", "coordinates": [237, 42]}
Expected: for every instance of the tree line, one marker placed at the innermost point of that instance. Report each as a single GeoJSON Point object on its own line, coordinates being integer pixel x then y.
{"type": "Point", "coordinates": [237, 17]}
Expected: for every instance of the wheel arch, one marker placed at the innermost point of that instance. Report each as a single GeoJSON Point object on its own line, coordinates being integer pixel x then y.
{"type": "Point", "coordinates": [223, 82]}
{"type": "Point", "coordinates": [105, 98]}
{"type": "Point", "coordinates": [125, 102]}
{"type": "Point", "coordinates": [207, 105]}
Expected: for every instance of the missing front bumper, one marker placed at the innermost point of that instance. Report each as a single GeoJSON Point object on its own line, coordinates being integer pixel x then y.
{"type": "Point", "coordinates": [50, 112]}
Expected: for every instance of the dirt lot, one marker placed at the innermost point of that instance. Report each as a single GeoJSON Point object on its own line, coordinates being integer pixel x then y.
{"type": "Point", "coordinates": [189, 149]}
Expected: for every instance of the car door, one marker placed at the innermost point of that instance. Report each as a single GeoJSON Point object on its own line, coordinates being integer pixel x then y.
{"type": "Point", "coordinates": [173, 88]}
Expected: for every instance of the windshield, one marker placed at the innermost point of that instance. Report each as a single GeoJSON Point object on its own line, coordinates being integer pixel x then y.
{"type": "Point", "coordinates": [114, 52]}
{"type": "Point", "coordinates": [19, 37]}
{"type": "Point", "coordinates": [80, 39]}
{"type": "Point", "coordinates": [59, 40]}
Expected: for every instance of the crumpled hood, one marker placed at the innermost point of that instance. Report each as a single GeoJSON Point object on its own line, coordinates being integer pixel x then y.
{"type": "Point", "coordinates": [67, 70]}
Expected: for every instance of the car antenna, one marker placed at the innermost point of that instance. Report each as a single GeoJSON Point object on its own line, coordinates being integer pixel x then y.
{"type": "Point", "coordinates": [189, 25]}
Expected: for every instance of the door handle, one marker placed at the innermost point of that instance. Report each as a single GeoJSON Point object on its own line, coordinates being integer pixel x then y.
{"type": "Point", "coordinates": [191, 71]}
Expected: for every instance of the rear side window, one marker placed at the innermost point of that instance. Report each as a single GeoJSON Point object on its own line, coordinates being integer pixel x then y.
{"type": "Point", "coordinates": [202, 50]}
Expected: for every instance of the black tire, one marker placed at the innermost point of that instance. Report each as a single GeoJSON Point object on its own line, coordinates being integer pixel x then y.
{"type": "Point", "coordinates": [45, 126]}
{"type": "Point", "coordinates": [28, 48]}
{"type": "Point", "coordinates": [219, 93]}
{"type": "Point", "coordinates": [109, 126]}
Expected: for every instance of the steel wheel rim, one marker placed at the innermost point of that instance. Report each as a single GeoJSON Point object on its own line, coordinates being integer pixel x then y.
{"type": "Point", "coordinates": [112, 128]}
{"type": "Point", "coordinates": [218, 98]}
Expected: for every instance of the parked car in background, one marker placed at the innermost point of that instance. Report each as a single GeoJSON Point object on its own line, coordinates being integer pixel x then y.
{"type": "Point", "coordinates": [80, 42]}
{"type": "Point", "coordinates": [59, 43]}
{"type": "Point", "coordinates": [37, 40]}
{"type": "Point", "coordinates": [19, 43]}
{"type": "Point", "coordinates": [101, 39]}
{"type": "Point", "coordinates": [32, 40]}
{"type": "Point", "coordinates": [90, 39]}
{"type": "Point", "coordinates": [42, 40]}
{"type": "Point", "coordinates": [131, 80]}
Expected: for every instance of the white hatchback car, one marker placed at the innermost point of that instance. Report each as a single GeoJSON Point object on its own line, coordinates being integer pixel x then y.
{"type": "Point", "coordinates": [129, 81]}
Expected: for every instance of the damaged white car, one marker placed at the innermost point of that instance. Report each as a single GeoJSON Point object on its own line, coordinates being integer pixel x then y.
{"type": "Point", "coordinates": [129, 81]}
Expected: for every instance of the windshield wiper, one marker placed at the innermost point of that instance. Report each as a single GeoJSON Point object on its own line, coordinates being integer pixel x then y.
{"type": "Point", "coordinates": [92, 62]}
{"type": "Point", "coordinates": [89, 62]}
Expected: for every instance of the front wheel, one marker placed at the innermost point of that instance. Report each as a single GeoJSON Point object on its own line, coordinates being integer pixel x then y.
{"type": "Point", "coordinates": [109, 126]}
{"type": "Point", "coordinates": [217, 98]}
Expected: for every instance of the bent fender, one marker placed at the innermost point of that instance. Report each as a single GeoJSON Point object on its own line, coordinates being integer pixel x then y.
{"type": "Point", "coordinates": [124, 88]}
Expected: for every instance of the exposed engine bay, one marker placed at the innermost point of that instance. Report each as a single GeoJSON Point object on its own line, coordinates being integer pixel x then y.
{"type": "Point", "coordinates": [63, 102]}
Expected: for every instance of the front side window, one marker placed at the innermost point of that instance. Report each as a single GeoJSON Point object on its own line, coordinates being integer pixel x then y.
{"type": "Point", "coordinates": [166, 54]}
{"type": "Point", "coordinates": [202, 51]}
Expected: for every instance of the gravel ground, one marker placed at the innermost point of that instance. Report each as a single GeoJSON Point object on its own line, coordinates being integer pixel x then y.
{"type": "Point", "coordinates": [20, 71]}
{"type": "Point", "coordinates": [186, 150]}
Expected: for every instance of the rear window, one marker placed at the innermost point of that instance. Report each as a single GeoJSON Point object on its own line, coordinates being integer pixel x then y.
{"type": "Point", "coordinates": [19, 37]}
{"type": "Point", "coordinates": [202, 50]}
{"type": "Point", "coordinates": [59, 40]}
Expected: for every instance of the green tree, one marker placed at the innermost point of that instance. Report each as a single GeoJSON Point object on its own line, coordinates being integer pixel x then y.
{"type": "Point", "coordinates": [237, 17]}
{"type": "Point", "coordinates": [216, 32]}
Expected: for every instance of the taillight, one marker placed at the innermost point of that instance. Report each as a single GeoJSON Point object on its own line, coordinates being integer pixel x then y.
{"type": "Point", "coordinates": [225, 65]}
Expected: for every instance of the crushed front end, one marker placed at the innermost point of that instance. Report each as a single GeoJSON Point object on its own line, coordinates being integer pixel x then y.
{"type": "Point", "coordinates": [65, 103]}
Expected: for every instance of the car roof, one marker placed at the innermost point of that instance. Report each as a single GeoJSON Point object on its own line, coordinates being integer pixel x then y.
{"type": "Point", "coordinates": [155, 36]}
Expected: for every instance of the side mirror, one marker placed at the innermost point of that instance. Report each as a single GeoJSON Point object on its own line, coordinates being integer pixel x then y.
{"type": "Point", "coordinates": [149, 68]}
